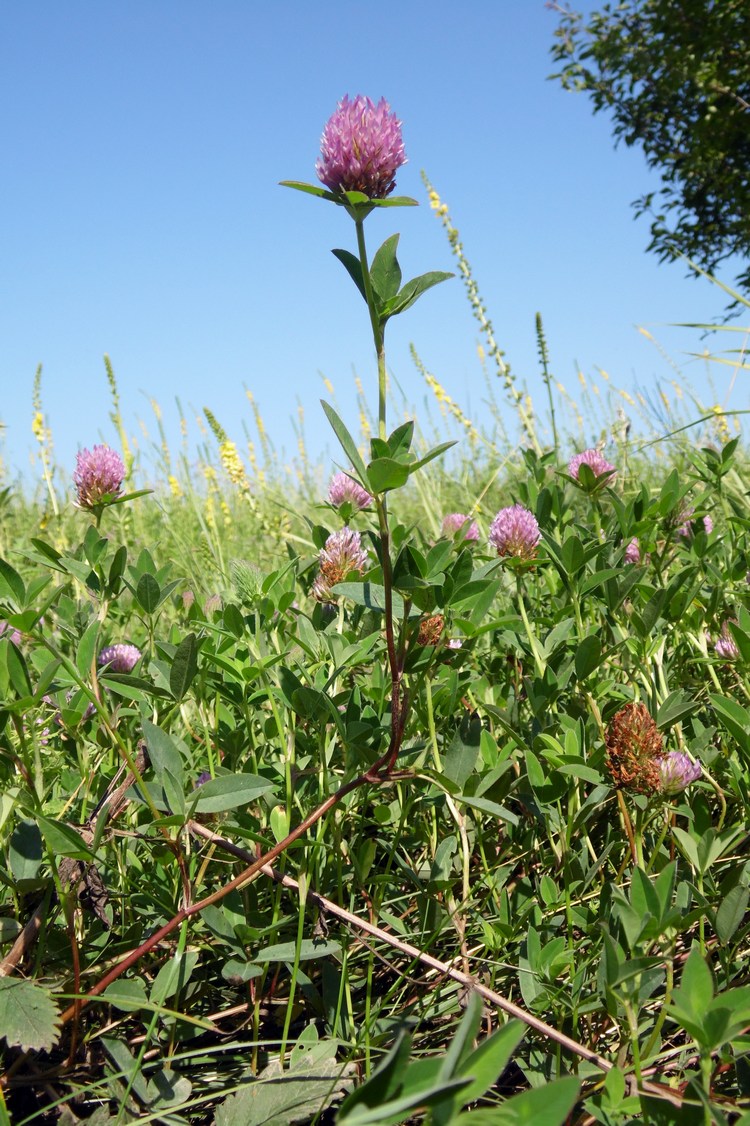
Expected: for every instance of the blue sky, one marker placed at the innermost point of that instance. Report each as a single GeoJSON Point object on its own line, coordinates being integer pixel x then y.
{"type": "Point", "coordinates": [142, 148]}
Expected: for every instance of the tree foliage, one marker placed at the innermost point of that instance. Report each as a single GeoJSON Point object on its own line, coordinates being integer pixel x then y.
{"type": "Point", "coordinates": [675, 74]}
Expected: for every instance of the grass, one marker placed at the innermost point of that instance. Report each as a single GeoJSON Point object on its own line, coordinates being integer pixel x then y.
{"type": "Point", "coordinates": [308, 932]}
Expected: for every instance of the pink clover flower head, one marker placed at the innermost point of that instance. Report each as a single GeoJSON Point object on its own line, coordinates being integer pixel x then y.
{"type": "Point", "coordinates": [515, 532]}
{"type": "Point", "coordinates": [633, 551]}
{"type": "Point", "coordinates": [676, 771]}
{"type": "Point", "coordinates": [98, 476]}
{"type": "Point", "coordinates": [726, 646]}
{"type": "Point", "coordinates": [455, 521]}
{"type": "Point", "coordinates": [343, 489]}
{"type": "Point", "coordinates": [342, 554]}
{"type": "Point", "coordinates": [596, 462]}
{"type": "Point", "coordinates": [361, 148]}
{"type": "Point", "coordinates": [686, 526]}
{"type": "Point", "coordinates": [119, 658]}
{"type": "Point", "coordinates": [10, 632]}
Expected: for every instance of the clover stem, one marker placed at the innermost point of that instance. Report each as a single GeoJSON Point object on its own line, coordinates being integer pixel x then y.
{"type": "Point", "coordinates": [377, 330]}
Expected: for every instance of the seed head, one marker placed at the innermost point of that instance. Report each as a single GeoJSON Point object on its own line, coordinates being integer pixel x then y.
{"type": "Point", "coordinates": [515, 532]}
{"type": "Point", "coordinates": [361, 148]}
{"type": "Point", "coordinates": [98, 476]}
{"type": "Point", "coordinates": [635, 750]}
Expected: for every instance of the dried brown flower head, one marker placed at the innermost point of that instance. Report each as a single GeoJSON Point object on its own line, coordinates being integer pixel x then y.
{"type": "Point", "coordinates": [431, 630]}
{"type": "Point", "coordinates": [635, 749]}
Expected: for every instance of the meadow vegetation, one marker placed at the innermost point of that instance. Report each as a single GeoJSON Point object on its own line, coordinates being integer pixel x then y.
{"type": "Point", "coordinates": [314, 808]}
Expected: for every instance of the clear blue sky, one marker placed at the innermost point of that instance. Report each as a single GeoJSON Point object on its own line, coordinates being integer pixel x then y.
{"type": "Point", "coordinates": [142, 148]}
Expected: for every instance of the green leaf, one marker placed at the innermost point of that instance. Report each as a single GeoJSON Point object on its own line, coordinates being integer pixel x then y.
{"type": "Point", "coordinates": [436, 451]}
{"type": "Point", "coordinates": [395, 201]}
{"type": "Point", "coordinates": [310, 189]}
{"type": "Point", "coordinates": [163, 752]}
{"type": "Point", "coordinates": [63, 839]}
{"type": "Point", "coordinates": [347, 443]}
{"type": "Point", "coordinates": [385, 272]}
{"type": "Point", "coordinates": [413, 290]}
{"type": "Point", "coordinates": [489, 807]}
{"type": "Point", "coordinates": [284, 1096]}
{"type": "Point", "coordinates": [384, 1082]}
{"type": "Point", "coordinates": [147, 593]}
{"type": "Point", "coordinates": [128, 995]}
{"type": "Point", "coordinates": [548, 1105]}
{"type": "Point", "coordinates": [735, 719]}
{"type": "Point", "coordinates": [28, 1016]}
{"type": "Point", "coordinates": [184, 666]}
{"type": "Point", "coordinates": [386, 473]}
{"type": "Point", "coordinates": [572, 554]}
{"type": "Point", "coordinates": [173, 976]}
{"type": "Point", "coordinates": [731, 913]}
{"type": "Point", "coordinates": [370, 595]}
{"type": "Point", "coordinates": [25, 851]}
{"type": "Point", "coordinates": [462, 754]}
{"type": "Point", "coordinates": [229, 791]}
{"type": "Point", "coordinates": [11, 585]}
{"type": "Point", "coordinates": [353, 267]}
{"type": "Point", "coordinates": [309, 949]}
{"type": "Point", "coordinates": [18, 673]}
{"type": "Point", "coordinates": [696, 991]}
{"type": "Point", "coordinates": [399, 442]}
{"type": "Point", "coordinates": [86, 650]}
{"type": "Point", "coordinates": [588, 656]}
{"type": "Point", "coordinates": [676, 706]}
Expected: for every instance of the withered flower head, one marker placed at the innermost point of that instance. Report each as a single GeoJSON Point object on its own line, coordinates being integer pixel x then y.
{"type": "Point", "coordinates": [635, 750]}
{"type": "Point", "coordinates": [431, 630]}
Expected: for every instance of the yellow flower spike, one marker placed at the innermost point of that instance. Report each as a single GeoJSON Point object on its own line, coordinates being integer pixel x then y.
{"type": "Point", "coordinates": [174, 486]}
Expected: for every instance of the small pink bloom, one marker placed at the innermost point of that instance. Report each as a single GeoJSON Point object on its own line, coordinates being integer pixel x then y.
{"type": "Point", "coordinates": [119, 658]}
{"type": "Point", "coordinates": [455, 521]}
{"type": "Point", "coordinates": [343, 489]}
{"type": "Point", "coordinates": [98, 476]}
{"type": "Point", "coordinates": [596, 462]}
{"type": "Point", "coordinates": [515, 532]}
{"type": "Point", "coordinates": [676, 772]}
{"type": "Point", "coordinates": [342, 554]}
{"type": "Point", "coordinates": [633, 551]}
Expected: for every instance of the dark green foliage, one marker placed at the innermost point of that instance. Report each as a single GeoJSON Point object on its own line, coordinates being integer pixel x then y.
{"type": "Point", "coordinates": [675, 75]}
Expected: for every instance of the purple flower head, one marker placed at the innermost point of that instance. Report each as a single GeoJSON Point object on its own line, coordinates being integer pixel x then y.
{"type": "Point", "coordinates": [455, 521]}
{"type": "Point", "coordinates": [515, 531]}
{"type": "Point", "coordinates": [726, 646]}
{"type": "Point", "coordinates": [686, 523]}
{"type": "Point", "coordinates": [361, 148]}
{"type": "Point", "coordinates": [596, 462]}
{"type": "Point", "coordinates": [98, 476]}
{"type": "Point", "coordinates": [676, 772]}
{"type": "Point", "coordinates": [119, 658]}
{"type": "Point", "coordinates": [633, 551]}
{"type": "Point", "coordinates": [12, 634]}
{"type": "Point", "coordinates": [342, 553]}
{"type": "Point", "coordinates": [343, 489]}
